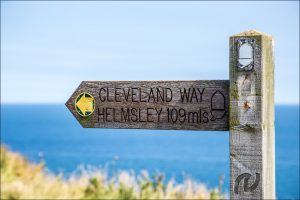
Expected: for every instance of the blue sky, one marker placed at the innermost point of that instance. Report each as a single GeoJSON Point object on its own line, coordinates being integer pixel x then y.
{"type": "Point", "coordinates": [48, 48]}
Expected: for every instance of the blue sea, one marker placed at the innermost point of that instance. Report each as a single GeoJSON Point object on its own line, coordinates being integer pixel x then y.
{"type": "Point", "coordinates": [53, 132]}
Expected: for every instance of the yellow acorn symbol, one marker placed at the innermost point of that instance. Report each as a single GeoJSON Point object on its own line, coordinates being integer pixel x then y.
{"type": "Point", "coordinates": [85, 104]}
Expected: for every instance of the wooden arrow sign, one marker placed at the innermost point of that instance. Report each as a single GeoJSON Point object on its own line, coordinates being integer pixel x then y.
{"type": "Point", "coordinates": [177, 105]}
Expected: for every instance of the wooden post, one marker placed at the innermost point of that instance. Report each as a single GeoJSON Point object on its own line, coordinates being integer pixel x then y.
{"type": "Point", "coordinates": [251, 118]}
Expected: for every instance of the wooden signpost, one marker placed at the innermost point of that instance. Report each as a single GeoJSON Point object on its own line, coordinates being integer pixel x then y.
{"type": "Point", "coordinates": [252, 153]}
{"type": "Point", "coordinates": [189, 105]}
{"type": "Point", "coordinates": [244, 105]}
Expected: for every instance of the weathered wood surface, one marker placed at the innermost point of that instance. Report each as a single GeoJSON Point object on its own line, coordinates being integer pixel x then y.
{"type": "Point", "coordinates": [252, 162]}
{"type": "Point", "coordinates": [156, 104]}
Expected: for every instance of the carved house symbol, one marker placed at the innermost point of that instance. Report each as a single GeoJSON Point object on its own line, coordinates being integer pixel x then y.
{"type": "Point", "coordinates": [246, 52]}
{"type": "Point", "coordinates": [217, 105]}
{"type": "Point", "coordinates": [245, 55]}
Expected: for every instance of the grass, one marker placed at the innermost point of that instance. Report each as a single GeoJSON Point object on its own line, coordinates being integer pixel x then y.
{"type": "Point", "coordinates": [21, 179]}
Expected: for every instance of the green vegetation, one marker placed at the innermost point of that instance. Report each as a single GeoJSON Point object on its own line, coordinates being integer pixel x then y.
{"type": "Point", "coordinates": [21, 179]}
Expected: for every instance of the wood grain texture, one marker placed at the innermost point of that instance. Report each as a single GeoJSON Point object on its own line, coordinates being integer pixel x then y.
{"type": "Point", "coordinates": [156, 104]}
{"type": "Point", "coordinates": [252, 164]}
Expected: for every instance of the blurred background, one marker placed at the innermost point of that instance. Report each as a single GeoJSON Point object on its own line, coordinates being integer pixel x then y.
{"type": "Point", "coordinates": [48, 48]}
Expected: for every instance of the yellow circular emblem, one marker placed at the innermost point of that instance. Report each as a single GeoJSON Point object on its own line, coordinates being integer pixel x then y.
{"type": "Point", "coordinates": [85, 104]}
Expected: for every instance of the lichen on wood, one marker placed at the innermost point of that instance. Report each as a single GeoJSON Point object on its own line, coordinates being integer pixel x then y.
{"type": "Point", "coordinates": [234, 93]}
